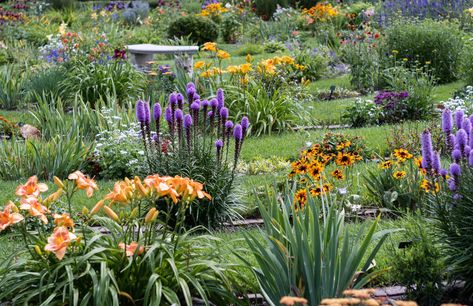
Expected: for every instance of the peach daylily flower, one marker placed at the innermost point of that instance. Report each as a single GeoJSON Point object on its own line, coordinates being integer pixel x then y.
{"type": "Point", "coordinates": [7, 218]}
{"type": "Point", "coordinates": [34, 208]}
{"type": "Point", "coordinates": [84, 183]}
{"type": "Point", "coordinates": [293, 300]}
{"type": "Point", "coordinates": [122, 193]}
{"type": "Point", "coordinates": [131, 249]}
{"type": "Point", "coordinates": [31, 188]}
{"type": "Point", "coordinates": [63, 220]}
{"type": "Point", "coordinates": [59, 241]}
{"type": "Point", "coordinates": [159, 184]}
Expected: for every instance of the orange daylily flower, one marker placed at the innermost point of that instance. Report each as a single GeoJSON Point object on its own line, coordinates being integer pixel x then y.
{"type": "Point", "coordinates": [7, 218]}
{"type": "Point", "coordinates": [63, 220]}
{"type": "Point", "coordinates": [221, 54]}
{"type": "Point", "coordinates": [34, 208]}
{"type": "Point", "coordinates": [210, 46]}
{"type": "Point", "coordinates": [53, 197]}
{"type": "Point", "coordinates": [122, 193]}
{"type": "Point", "coordinates": [131, 249]}
{"type": "Point", "coordinates": [59, 241]}
{"type": "Point", "coordinates": [84, 183]}
{"type": "Point", "coordinates": [293, 300]}
{"type": "Point", "coordinates": [31, 188]}
{"type": "Point", "coordinates": [159, 184]}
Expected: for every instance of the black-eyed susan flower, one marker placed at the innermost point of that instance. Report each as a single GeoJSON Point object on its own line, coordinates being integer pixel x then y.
{"type": "Point", "coordinates": [338, 174]}
{"type": "Point", "coordinates": [402, 155]}
{"type": "Point", "coordinates": [344, 159]}
{"type": "Point", "coordinates": [399, 174]}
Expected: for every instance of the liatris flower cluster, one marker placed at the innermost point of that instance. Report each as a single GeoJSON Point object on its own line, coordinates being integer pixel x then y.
{"type": "Point", "coordinates": [188, 133]}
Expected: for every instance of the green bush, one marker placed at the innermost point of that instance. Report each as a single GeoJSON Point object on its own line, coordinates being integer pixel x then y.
{"type": "Point", "coordinates": [251, 49]}
{"type": "Point", "coordinates": [315, 63]}
{"type": "Point", "coordinates": [274, 46]}
{"type": "Point", "coordinates": [199, 29]}
{"type": "Point", "coordinates": [362, 113]}
{"type": "Point", "coordinates": [467, 64]}
{"type": "Point", "coordinates": [230, 28]}
{"type": "Point", "coordinates": [437, 42]}
{"type": "Point", "coordinates": [365, 64]}
{"type": "Point", "coordinates": [419, 265]}
{"type": "Point", "coordinates": [266, 9]}
{"type": "Point", "coordinates": [309, 251]}
{"type": "Point", "coordinates": [47, 81]}
{"type": "Point", "coordinates": [11, 87]}
{"type": "Point", "coordinates": [62, 4]}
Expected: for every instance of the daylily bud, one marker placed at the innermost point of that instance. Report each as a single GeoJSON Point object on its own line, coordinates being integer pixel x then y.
{"type": "Point", "coordinates": [155, 216]}
{"type": "Point", "coordinates": [13, 207]}
{"type": "Point", "coordinates": [53, 197]}
{"type": "Point", "coordinates": [111, 214]}
{"type": "Point", "coordinates": [58, 182]}
{"type": "Point", "coordinates": [85, 211]}
{"type": "Point", "coordinates": [149, 215]}
{"type": "Point", "coordinates": [134, 213]}
{"type": "Point", "coordinates": [97, 207]}
{"type": "Point", "coordinates": [140, 186]}
{"type": "Point", "coordinates": [37, 249]}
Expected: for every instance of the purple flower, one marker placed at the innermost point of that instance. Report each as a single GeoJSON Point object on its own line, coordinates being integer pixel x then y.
{"type": "Point", "coordinates": [168, 115]}
{"type": "Point", "coordinates": [180, 100]}
{"type": "Point", "coordinates": [443, 172]}
{"type": "Point", "coordinates": [178, 114]}
{"type": "Point", "coordinates": [196, 96]}
{"type": "Point", "coordinates": [229, 124]}
{"type": "Point", "coordinates": [140, 111]}
{"type": "Point", "coordinates": [190, 93]}
{"type": "Point", "coordinates": [466, 125]}
{"type": "Point", "coordinates": [461, 139]}
{"type": "Point", "coordinates": [451, 140]}
{"type": "Point", "coordinates": [459, 118]}
{"type": "Point", "coordinates": [427, 153]}
{"type": "Point", "coordinates": [147, 112]}
{"type": "Point", "coordinates": [214, 103]}
{"type": "Point", "coordinates": [451, 184]}
{"type": "Point", "coordinates": [195, 105]}
{"type": "Point", "coordinates": [456, 155]}
{"type": "Point", "coordinates": [224, 113]}
{"type": "Point", "coordinates": [470, 158]}
{"type": "Point", "coordinates": [447, 121]}
{"type": "Point", "coordinates": [205, 103]}
{"type": "Point", "coordinates": [187, 121]}
{"type": "Point", "coordinates": [189, 85]}
{"type": "Point", "coordinates": [220, 98]}
{"type": "Point", "coordinates": [210, 114]}
{"type": "Point", "coordinates": [245, 124]}
{"type": "Point", "coordinates": [436, 165]}
{"type": "Point", "coordinates": [173, 99]}
{"type": "Point", "coordinates": [219, 144]}
{"type": "Point", "coordinates": [157, 111]}
{"type": "Point", "coordinates": [466, 151]}
{"type": "Point", "coordinates": [455, 170]}
{"type": "Point", "coordinates": [238, 132]}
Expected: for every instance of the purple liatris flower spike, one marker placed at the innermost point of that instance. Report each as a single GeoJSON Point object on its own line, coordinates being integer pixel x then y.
{"type": "Point", "coordinates": [470, 158]}
{"type": "Point", "coordinates": [196, 96]}
{"type": "Point", "coordinates": [228, 130]}
{"type": "Point", "coordinates": [147, 113]}
{"type": "Point", "coordinates": [455, 170]}
{"type": "Point", "coordinates": [427, 153]}
{"type": "Point", "coordinates": [168, 115]}
{"type": "Point", "coordinates": [205, 103]}
{"type": "Point", "coordinates": [187, 121]}
{"type": "Point", "coordinates": [190, 84]}
{"type": "Point", "coordinates": [214, 103]}
{"type": "Point", "coordinates": [436, 165]}
{"type": "Point", "coordinates": [157, 111]}
{"type": "Point", "coordinates": [466, 125]}
{"type": "Point", "coordinates": [443, 172]}
{"type": "Point", "coordinates": [456, 155]}
{"type": "Point", "coordinates": [447, 121]}
{"type": "Point", "coordinates": [238, 132]}
{"type": "Point", "coordinates": [219, 146]}
{"type": "Point", "coordinates": [224, 113]}
{"type": "Point", "coordinates": [461, 139]}
{"type": "Point", "coordinates": [179, 116]}
{"type": "Point", "coordinates": [466, 151]}
{"type": "Point", "coordinates": [229, 125]}
{"type": "Point", "coordinates": [451, 184]}
{"type": "Point", "coordinates": [173, 99]}
{"type": "Point", "coordinates": [195, 105]}
{"type": "Point", "coordinates": [237, 135]}
{"type": "Point", "coordinates": [180, 100]}
{"type": "Point", "coordinates": [220, 98]}
{"type": "Point", "coordinates": [190, 93]}
{"type": "Point", "coordinates": [140, 111]}
{"type": "Point", "coordinates": [245, 124]}
{"type": "Point", "coordinates": [451, 140]}
{"type": "Point", "coordinates": [459, 118]}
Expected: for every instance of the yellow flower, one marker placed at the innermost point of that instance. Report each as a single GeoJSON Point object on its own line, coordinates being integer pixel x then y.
{"type": "Point", "coordinates": [338, 174]}
{"type": "Point", "coordinates": [62, 28]}
{"type": "Point", "coordinates": [344, 159]}
{"type": "Point", "coordinates": [300, 198]}
{"type": "Point", "coordinates": [199, 65]}
{"type": "Point", "coordinates": [93, 16]}
{"type": "Point", "coordinates": [249, 58]}
{"type": "Point", "coordinates": [402, 155]}
{"type": "Point", "coordinates": [386, 164]}
{"type": "Point", "coordinates": [399, 174]}
{"type": "Point", "coordinates": [233, 69]}
{"type": "Point", "coordinates": [394, 52]}
{"type": "Point", "coordinates": [245, 68]}
{"type": "Point", "coordinates": [210, 46]}
{"type": "Point", "coordinates": [222, 54]}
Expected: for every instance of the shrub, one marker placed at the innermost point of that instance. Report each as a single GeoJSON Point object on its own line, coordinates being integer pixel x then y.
{"type": "Point", "coordinates": [362, 113]}
{"type": "Point", "coordinates": [273, 47]}
{"type": "Point", "coordinates": [266, 9]}
{"type": "Point", "coordinates": [230, 28]}
{"type": "Point", "coordinates": [251, 49]}
{"type": "Point", "coordinates": [91, 81]}
{"type": "Point", "coordinates": [419, 264]}
{"type": "Point", "coordinates": [436, 42]}
{"type": "Point", "coordinates": [314, 63]}
{"type": "Point", "coordinates": [365, 64]}
{"type": "Point", "coordinates": [198, 29]}
{"type": "Point", "coordinates": [70, 261]}
{"type": "Point", "coordinates": [47, 81]}
{"type": "Point", "coordinates": [135, 12]}
{"type": "Point", "coordinates": [307, 251]}
{"type": "Point", "coordinates": [62, 4]}
{"type": "Point", "coordinates": [196, 145]}
{"type": "Point", "coordinates": [467, 64]}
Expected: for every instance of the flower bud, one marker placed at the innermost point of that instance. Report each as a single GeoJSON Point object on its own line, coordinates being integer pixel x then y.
{"type": "Point", "coordinates": [58, 182]}
{"type": "Point", "coordinates": [111, 214]}
{"type": "Point", "coordinates": [85, 211]}
{"type": "Point", "coordinates": [37, 249]}
{"type": "Point", "coordinates": [149, 215]}
{"type": "Point", "coordinates": [134, 213]}
{"type": "Point", "coordinates": [97, 207]}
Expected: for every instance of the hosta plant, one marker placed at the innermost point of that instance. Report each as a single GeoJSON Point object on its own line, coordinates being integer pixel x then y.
{"type": "Point", "coordinates": [133, 257]}
{"type": "Point", "coordinates": [308, 251]}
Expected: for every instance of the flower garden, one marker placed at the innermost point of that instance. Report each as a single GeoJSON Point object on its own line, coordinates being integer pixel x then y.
{"type": "Point", "coordinates": [309, 153]}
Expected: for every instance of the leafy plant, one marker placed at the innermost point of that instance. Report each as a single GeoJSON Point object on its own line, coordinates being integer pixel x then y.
{"type": "Point", "coordinates": [309, 252]}
{"type": "Point", "coordinates": [436, 42]}
{"type": "Point", "coordinates": [198, 29]}
{"type": "Point", "coordinates": [362, 113]}
{"type": "Point", "coordinates": [11, 87]}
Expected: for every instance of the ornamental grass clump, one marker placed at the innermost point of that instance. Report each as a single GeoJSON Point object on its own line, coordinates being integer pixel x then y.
{"type": "Point", "coordinates": [451, 207]}
{"type": "Point", "coordinates": [124, 251]}
{"type": "Point", "coordinates": [200, 142]}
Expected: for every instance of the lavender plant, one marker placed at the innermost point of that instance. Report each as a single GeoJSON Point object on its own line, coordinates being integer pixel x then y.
{"type": "Point", "coordinates": [196, 140]}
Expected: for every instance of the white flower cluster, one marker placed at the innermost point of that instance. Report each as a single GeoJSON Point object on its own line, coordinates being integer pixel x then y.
{"type": "Point", "coordinates": [464, 103]}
